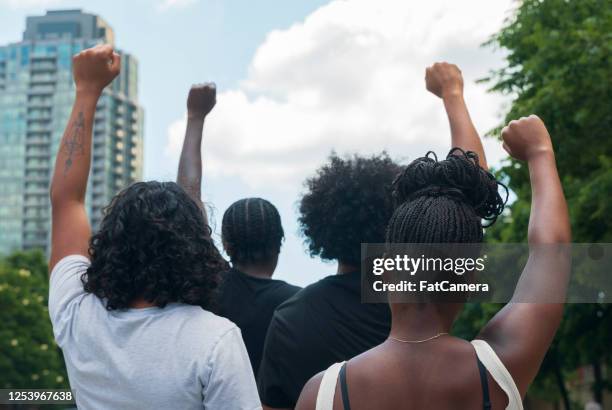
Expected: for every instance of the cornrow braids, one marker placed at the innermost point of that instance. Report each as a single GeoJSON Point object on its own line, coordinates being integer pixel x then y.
{"type": "Point", "coordinates": [252, 231]}
{"type": "Point", "coordinates": [444, 201]}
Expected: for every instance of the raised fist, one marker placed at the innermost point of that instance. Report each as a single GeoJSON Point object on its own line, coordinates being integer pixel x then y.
{"type": "Point", "coordinates": [95, 68]}
{"type": "Point", "coordinates": [201, 100]}
{"type": "Point", "coordinates": [444, 80]}
{"type": "Point", "coordinates": [526, 137]}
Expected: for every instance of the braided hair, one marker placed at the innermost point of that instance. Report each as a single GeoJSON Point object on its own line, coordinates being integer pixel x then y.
{"type": "Point", "coordinates": [252, 232]}
{"type": "Point", "coordinates": [444, 201]}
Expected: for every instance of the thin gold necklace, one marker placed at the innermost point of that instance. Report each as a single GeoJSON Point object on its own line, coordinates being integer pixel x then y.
{"type": "Point", "coordinates": [418, 341]}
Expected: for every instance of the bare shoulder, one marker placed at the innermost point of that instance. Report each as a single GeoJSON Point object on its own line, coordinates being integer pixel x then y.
{"type": "Point", "coordinates": [308, 397]}
{"type": "Point", "coordinates": [467, 376]}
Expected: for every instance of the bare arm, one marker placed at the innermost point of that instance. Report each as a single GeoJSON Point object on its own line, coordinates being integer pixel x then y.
{"type": "Point", "coordinates": [521, 333]}
{"type": "Point", "coordinates": [201, 100]}
{"type": "Point", "coordinates": [445, 81]}
{"type": "Point", "coordinates": [93, 69]}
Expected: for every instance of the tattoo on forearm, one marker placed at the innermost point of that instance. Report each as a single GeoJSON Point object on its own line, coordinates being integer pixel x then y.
{"type": "Point", "coordinates": [73, 145]}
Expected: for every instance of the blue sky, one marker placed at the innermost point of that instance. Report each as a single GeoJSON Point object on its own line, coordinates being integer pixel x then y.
{"type": "Point", "coordinates": [296, 79]}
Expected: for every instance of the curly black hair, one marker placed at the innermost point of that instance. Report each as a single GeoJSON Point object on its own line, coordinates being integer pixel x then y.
{"type": "Point", "coordinates": [444, 201]}
{"type": "Point", "coordinates": [154, 244]}
{"type": "Point", "coordinates": [347, 202]}
{"type": "Point", "coordinates": [252, 231]}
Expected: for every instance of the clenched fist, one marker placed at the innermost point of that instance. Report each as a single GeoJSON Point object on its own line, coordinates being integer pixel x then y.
{"type": "Point", "coordinates": [201, 100]}
{"type": "Point", "coordinates": [526, 137]}
{"type": "Point", "coordinates": [95, 68]}
{"type": "Point", "coordinates": [444, 80]}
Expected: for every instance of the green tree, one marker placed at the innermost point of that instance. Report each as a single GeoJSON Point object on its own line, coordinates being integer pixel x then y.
{"type": "Point", "coordinates": [29, 357]}
{"type": "Point", "coordinates": [558, 66]}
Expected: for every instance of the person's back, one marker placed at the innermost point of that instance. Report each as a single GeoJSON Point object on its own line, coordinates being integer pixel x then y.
{"type": "Point", "coordinates": [252, 235]}
{"type": "Point", "coordinates": [417, 376]}
{"type": "Point", "coordinates": [249, 301]}
{"type": "Point", "coordinates": [347, 202]}
{"type": "Point", "coordinates": [171, 357]}
{"type": "Point", "coordinates": [322, 324]}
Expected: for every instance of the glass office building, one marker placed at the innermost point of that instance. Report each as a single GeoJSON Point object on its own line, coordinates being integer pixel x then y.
{"type": "Point", "coordinates": [36, 96]}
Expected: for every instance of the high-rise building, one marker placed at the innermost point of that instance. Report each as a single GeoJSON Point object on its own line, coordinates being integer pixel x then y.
{"type": "Point", "coordinates": [36, 96]}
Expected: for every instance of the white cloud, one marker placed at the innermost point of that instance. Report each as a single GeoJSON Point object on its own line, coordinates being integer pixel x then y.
{"type": "Point", "coordinates": [350, 77]}
{"type": "Point", "coordinates": [164, 5]}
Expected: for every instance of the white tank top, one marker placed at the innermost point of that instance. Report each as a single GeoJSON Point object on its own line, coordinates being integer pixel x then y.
{"type": "Point", "coordinates": [486, 354]}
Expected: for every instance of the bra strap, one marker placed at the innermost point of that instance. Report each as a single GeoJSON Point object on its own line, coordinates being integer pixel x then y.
{"type": "Point", "coordinates": [498, 373]}
{"type": "Point", "coordinates": [344, 388]}
{"type": "Point", "coordinates": [486, 400]}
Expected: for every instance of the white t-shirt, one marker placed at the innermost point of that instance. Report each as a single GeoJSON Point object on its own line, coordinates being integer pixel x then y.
{"type": "Point", "coordinates": [178, 357]}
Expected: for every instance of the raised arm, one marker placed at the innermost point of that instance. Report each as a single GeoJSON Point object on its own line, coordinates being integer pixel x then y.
{"type": "Point", "coordinates": [521, 333]}
{"type": "Point", "coordinates": [93, 69]}
{"type": "Point", "coordinates": [200, 101]}
{"type": "Point", "coordinates": [445, 81]}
